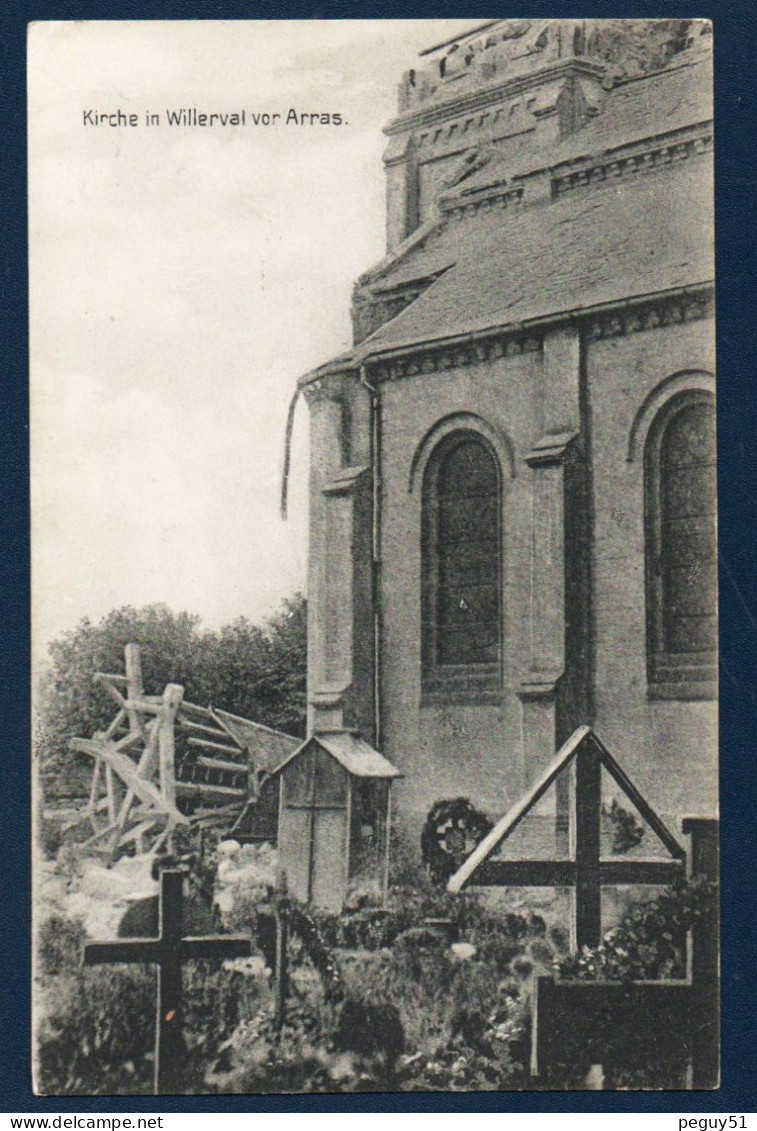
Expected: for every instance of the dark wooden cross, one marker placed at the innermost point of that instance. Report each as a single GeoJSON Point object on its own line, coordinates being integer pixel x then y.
{"type": "Point", "coordinates": [168, 951]}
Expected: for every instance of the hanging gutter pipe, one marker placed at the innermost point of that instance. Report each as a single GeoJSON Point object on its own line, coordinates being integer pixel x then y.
{"type": "Point", "coordinates": [284, 502]}
{"type": "Point", "coordinates": [375, 546]}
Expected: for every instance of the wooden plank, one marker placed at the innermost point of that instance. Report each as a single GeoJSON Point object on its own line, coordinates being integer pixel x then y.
{"type": "Point", "coordinates": [172, 697]}
{"type": "Point", "coordinates": [222, 766]}
{"type": "Point", "coordinates": [643, 806]}
{"type": "Point", "coordinates": [641, 871]}
{"type": "Point", "coordinates": [220, 810]}
{"type": "Point", "coordinates": [127, 771]}
{"type": "Point", "coordinates": [138, 831]}
{"type": "Point", "coordinates": [128, 740]}
{"type": "Point", "coordinates": [115, 695]}
{"type": "Point", "coordinates": [145, 768]}
{"type": "Point", "coordinates": [110, 786]}
{"type": "Point", "coordinates": [117, 721]}
{"type": "Point", "coordinates": [189, 724]}
{"type": "Point", "coordinates": [103, 834]}
{"type": "Point", "coordinates": [92, 746]}
{"type": "Point", "coordinates": [205, 744]}
{"type": "Point", "coordinates": [194, 789]}
{"type": "Point", "coordinates": [210, 821]}
{"type": "Point", "coordinates": [193, 708]}
{"type": "Point", "coordinates": [143, 704]}
{"type": "Point", "coordinates": [92, 803]}
{"type": "Point", "coordinates": [125, 950]}
{"type": "Point", "coordinates": [112, 676]}
{"type": "Point", "coordinates": [134, 687]}
{"type": "Point", "coordinates": [518, 811]}
{"type": "Point", "coordinates": [526, 873]}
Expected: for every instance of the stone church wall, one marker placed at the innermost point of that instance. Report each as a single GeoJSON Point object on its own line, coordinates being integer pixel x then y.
{"type": "Point", "coordinates": [453, 748]}
{"type": "Point", "coordinates": [667, 746]}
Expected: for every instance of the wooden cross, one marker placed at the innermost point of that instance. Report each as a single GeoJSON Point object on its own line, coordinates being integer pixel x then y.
{"type": "Point", "coordinates": [168, 951]}
{"type": "Point", "coordinates": [587, 873]}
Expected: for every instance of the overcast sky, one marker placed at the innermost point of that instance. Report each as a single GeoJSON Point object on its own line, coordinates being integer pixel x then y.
{"type": "Point", "coordinates": [181, 280]}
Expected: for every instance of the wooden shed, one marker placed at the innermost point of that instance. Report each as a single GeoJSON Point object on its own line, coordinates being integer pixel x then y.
{"type": "Point", "coordinates": [334, 817]}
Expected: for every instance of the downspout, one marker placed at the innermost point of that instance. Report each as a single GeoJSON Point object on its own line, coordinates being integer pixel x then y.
{"type": "Point", "coordinates": [375, 455]}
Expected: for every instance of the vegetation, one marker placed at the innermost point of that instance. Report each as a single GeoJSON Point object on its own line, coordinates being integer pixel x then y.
{"type": "Point", "coordinates": [650, 941]}
{"type": "Point", "coordinates": [431, 992]}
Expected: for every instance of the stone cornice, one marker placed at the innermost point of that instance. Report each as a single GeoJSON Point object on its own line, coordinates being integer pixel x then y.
{"type": "Point", "coordinates": [627, 316]}
{"type": "Point", "coordinates": [432, 359]}
{"type": "Point", "coordinates": [344, 482]}
{"type": "Point", "coordinates": [635, 158]}
{"type": "Point", "coordinates": [688, 306]}
{"type": "Point", "coordinates": [482, 99]}
{"type": "Point", "coordinates": [652, 153]}
{"type": "Point", "coordinates": [624, 317]}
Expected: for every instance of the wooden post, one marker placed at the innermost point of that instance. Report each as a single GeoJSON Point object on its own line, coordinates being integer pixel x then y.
{"type": "Point", "coordinates": [172, 697]}
{"type": "Point", "coordinates": [281, 909]}
{"type": "Point", "coordinates": [169, 1044]}
{"type": "Point", "coordinates": [134, 686]}
{"type": "Point", "coordinates": [705, 942]}
{"type": "Point", "coordinates": [587, 911]}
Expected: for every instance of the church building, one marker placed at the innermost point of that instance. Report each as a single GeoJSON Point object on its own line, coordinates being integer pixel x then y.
{"type": "Point", "coordinates": [512, 482]}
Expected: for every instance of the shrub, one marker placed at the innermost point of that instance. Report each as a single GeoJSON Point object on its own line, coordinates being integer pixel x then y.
{"type": "Point", "coordinates": [59, 945]}
{"type": "Point", "coordinates": [650, 942]}
{"type": "Point", "coordinates": [97, 1033]}
{"type": "Point", "coordinates": [621, 828]}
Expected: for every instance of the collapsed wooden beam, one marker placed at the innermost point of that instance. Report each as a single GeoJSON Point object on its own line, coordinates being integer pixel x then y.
{"type": "Point", "coordinates": [127, 771]}
{"type": "Point", "coordinates": [196, 789]}
{"type": "Point", "coordinates": [205, 744]}
{"type": "Point", "coordinates": [222, 766]}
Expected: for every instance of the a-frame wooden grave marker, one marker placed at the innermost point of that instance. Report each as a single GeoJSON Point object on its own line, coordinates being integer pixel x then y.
{"type": "Point", "coordinates": [168, 952]}
{"type": "Point", "coordinates": [587, 873]}
{"type": "Point", "coordinates": [574, 1020]}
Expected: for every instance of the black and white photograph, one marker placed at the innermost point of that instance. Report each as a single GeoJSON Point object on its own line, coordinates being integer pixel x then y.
{"type": "Point", "coordinates": [374, 556]}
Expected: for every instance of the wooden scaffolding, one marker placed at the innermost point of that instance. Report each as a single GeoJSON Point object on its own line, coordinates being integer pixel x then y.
{"type": "Point", "coordinates": [164, 762]}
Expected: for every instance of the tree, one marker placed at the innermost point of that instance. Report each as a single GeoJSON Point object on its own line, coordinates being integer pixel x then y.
{"type": "Point", "coordinates": [250, 670]}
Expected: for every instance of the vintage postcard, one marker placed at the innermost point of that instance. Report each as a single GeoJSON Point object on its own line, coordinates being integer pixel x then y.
{"type": "Point", "coordinates": [374, 541]}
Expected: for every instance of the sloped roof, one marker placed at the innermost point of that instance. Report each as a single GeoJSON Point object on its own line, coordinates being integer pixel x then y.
{"type": "Point", "coordinates": [357, 757]}
{"type": "Point", "coordinates": [606, 242]}
{"type": "Point", "coordinates": [267, 748]}
{"type": "Point", "coordinates": [594, 245]}
{"type": "Point", "coordinates": [649, 106]}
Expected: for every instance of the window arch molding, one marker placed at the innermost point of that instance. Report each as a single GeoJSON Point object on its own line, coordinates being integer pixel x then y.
{"type": "Point", "coordinates": [680, 546]}
{"type": "Point", "coordinates": [498, 439]}
{"type": "Point", "coordinates": [461, 568]}
{"type": "Point", "coordinates": [689, 380]}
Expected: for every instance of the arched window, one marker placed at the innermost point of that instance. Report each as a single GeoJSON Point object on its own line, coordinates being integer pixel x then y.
{"type": "Point", "coordinates": [681, 549]}
{"type": "Point", "coordinates": [462, 567]}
